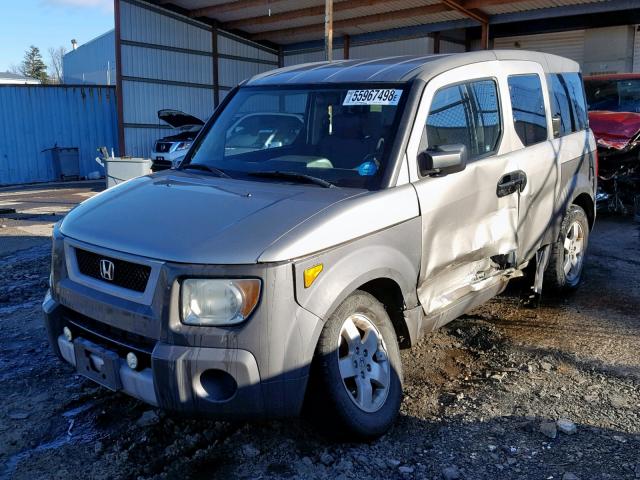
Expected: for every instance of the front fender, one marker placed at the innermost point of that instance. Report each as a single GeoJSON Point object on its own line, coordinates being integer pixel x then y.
{"type": "Point", "coordinates": [392, 253]}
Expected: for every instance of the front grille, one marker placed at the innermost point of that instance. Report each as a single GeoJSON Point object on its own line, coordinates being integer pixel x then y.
{"type": "Point", "coordinates": [131, 276]}
{"type": "Point", "coordinates": [109, 337]}
{"type": "Point", "coordinates": [163, 147]}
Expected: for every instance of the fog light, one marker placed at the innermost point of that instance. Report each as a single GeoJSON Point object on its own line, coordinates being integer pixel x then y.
{"type": "Point", "coordinates": [132, 360]}
{"type": "Point", "coordinates": [67, 334]}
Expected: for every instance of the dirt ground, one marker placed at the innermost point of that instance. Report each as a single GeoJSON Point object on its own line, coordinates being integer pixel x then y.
{"type": "Point", "coordinates": [503, 393]}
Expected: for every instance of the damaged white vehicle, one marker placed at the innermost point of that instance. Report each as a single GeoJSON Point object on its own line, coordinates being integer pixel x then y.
{"type": "Point", "coordinates": [326, 216]}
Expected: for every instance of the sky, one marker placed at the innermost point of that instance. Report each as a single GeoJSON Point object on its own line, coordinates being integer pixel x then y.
{"type": "Point", "coordinates": [49, 23]}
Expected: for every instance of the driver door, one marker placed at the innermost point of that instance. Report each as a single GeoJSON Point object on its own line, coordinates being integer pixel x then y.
{"type": "Point", "coordinates": [468, 227]}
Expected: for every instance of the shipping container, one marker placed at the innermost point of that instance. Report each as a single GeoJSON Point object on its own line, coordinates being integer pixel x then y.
{"type": "Point", "coordinates": [35, 118]}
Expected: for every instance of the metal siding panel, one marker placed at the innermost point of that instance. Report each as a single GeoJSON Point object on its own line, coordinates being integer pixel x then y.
{"type": "Point", "coordinates": [140, 140]}
{"type": "Point", "coordinates": [411, 46]}
{"type": "Point", "coordinates": [147, 25]}
{"type": "Point", "coordinates": [229, 46]}
{"type": "Point", "coordinates": [566, 44]}
{"type": "Point", "coordinates": [451, 47]}
{"type": "Point", "coordinates": [143, 100]}
{"type": "Point", "coordinates": [92, 63]}
{"type": "Point", "coordinates": [34, 118]}
{"type": "Point", "coordinates": [313, 56]}
{"type": "Point", "coordinates": [233, 72]}
{"type": "Point", "coordinates": [166, 65]}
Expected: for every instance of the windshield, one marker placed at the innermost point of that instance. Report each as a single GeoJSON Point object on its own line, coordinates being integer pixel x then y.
{"type": "Point", "coordinates": [340, 135]}
{"type": "Point", "coordinates": [613, 95]}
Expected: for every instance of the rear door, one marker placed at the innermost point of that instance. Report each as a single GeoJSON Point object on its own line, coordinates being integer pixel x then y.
{"type": "Point", "coordinates": [538, 153]}
{"type": "Point", "coordinates": [465, 222]}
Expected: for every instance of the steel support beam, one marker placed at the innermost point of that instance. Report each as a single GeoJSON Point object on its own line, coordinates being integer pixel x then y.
{"type": "Point", "coordinates": [119, 99]}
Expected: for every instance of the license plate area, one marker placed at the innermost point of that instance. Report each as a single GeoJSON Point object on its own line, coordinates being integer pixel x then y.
{"type": "Point", "coordinates": [97, 363]}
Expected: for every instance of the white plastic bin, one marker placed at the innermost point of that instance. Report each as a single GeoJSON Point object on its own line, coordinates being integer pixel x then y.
{"type": "Point", "coordinates": [121, 169]}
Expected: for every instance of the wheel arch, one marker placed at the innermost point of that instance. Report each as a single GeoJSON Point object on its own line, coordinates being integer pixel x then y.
{"type": "Point", "coordinates": [585, 202]}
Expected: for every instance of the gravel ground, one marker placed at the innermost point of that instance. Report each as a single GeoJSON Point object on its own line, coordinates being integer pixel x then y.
{"type": "Point", "coordinates": [503, 393]}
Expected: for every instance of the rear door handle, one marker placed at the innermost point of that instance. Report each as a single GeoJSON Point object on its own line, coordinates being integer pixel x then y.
{"type": "Point", "coordinates": [511, 182]}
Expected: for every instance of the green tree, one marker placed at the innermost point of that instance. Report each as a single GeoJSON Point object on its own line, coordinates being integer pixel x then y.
{"type": "Point", "coordinates": [33, 66]}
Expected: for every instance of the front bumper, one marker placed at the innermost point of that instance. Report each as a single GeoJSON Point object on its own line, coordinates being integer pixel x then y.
{"type": "Point", "coordinates": [255, 370]}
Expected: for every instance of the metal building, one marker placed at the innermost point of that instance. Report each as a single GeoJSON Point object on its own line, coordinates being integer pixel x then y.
{"type": "Point", "coordinates": [187, 54]}
{"type": "Point", "coordinates": [34, 118]}
{"type": "Point", "coordinates": [92, 63]}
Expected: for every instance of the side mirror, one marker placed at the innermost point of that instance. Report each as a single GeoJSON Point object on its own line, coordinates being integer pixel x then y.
{"type": "Point", "coordinates": [556, 125]}
{"type": "Point", "coordinates": [442, 160]}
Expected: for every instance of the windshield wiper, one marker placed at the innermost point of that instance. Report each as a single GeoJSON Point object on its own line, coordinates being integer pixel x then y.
{"type": "Point", "coordinates": [203, 167]}
{"type": "Point", "coordinates": [294, 176]}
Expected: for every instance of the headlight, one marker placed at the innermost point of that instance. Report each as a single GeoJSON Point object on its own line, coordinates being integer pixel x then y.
{"type": "Point", "coordinates": [218, 302]}
{"type": "Point", "coordinates": [183, 145]}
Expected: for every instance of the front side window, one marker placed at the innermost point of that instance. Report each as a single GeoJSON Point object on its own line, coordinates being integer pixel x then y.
{"type": "Point", "coordinates": [342, 135]}
{"type": "Point", "coordinates": [527, 103]}
{"type": "Point", "coordinates": [467, 114]}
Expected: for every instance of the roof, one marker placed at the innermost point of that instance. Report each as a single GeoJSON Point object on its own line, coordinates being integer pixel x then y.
{"type": "Point", "coordinates": [402, 68]}
{"type": "Point", "coordinates": [16, 77]}
{"type": "Point", "coordinates": [286, 22]}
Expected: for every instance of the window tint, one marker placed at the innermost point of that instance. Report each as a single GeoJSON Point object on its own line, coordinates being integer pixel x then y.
{"type": "Point", "coordinates": [527, 104]}
{"type": "Point", "coordinates": [567, 101]}
{"type": "Point", "coordinates": [578, 102]}
{"type": "Point", "coordinates": [560, 103]}
{"type": "Point", "coordinates": [466, 114]}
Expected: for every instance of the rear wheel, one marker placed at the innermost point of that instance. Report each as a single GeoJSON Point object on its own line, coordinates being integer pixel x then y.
{"type": "Point", "coordinates": [566, 263]}
{"type": "Point", "coordinates": [356, 384]}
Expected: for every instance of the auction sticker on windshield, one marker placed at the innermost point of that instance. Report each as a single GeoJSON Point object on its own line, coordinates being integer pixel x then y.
{"type": "Point", "coordinates": [372, 96]}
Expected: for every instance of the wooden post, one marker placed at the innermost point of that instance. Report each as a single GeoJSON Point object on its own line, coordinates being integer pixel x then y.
{"type": "Point", "coordinates": [484, 36]}
{"type": "Point", "coordinates": [436, 42]}
{"type": "Point", "coordinates": [345, 46]}
{"type": "Point", "coordinates": [328, 30]}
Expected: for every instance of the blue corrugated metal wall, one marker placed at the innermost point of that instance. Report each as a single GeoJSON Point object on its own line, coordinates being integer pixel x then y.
{"type": "Point", "coordinates": [36, 117]}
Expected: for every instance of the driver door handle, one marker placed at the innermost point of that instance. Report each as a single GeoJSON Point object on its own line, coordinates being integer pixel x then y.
{"type": "Point", "coordinates": [511, 182]}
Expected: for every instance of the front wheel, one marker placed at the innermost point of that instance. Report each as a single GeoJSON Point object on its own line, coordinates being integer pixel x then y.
{"type": "Point", "coordinates": [356, 379]}
{"type": "Point", "coordinates": [566, 263]}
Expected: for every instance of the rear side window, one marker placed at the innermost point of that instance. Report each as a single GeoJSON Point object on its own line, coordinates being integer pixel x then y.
{"type": "Point", "coordinates": [467, 114]}
{"type": "Point", "coordinates": [567, 101]}
{"type": "Point", "coordinates": [527, 103]}
{"type": "Point", "coordinates": [560, 103]}
{"type": "Point", "coordinates": [578, 101]}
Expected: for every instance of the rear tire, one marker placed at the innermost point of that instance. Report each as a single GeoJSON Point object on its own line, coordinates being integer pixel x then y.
{"type": "Point", "coordinates": [355, 387]}
{"type": "Point", "coordinates": [566, 263]}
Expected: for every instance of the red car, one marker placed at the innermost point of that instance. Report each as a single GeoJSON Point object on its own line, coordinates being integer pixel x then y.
{"type": "Point", "coordinates": [614, 111]}
{"type": "Point", "coordinates": [614, 117]}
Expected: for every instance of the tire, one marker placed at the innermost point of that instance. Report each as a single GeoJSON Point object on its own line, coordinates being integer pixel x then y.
{"type": "Point", "coordinates": [339, 399]}
{"type": "Point", "coordinates": [566, 262]}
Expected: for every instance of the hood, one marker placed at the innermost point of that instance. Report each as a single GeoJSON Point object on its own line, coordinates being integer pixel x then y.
{"type": "Point", "coordinates": [614, 129]}
{"type": "Point", "coordinates": [178, 119]}
{"type": "Point", "coordinates": [191, 218]}
{"type": "Point", "coordinates": [181, 137]}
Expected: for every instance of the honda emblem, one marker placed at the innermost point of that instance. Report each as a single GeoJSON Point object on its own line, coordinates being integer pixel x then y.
{"type": "Point", "coordinates": [107, 269]}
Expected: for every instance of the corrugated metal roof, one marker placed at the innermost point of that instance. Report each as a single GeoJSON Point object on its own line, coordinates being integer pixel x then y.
{"type": "Point", "coordinates": [532, 5]}
{"type": "Point", "coordinates": [278, 30]}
